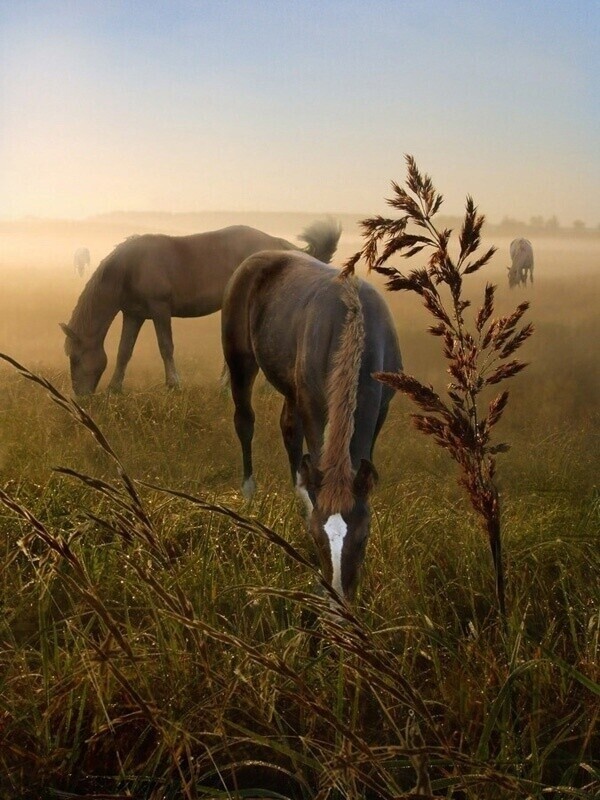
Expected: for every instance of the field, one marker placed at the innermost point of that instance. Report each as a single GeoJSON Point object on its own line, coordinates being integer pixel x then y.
{"type": "Point", "coordinates": [157, 645]}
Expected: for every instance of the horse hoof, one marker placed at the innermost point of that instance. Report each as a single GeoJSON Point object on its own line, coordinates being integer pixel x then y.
{"type": "Point", "coordinates": [249, 488]}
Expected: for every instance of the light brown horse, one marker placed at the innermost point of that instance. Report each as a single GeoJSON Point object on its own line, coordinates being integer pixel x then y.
{"type": "Point", "coordinates": [158, 277]}
{"type": "Point", "coordinates": [318, 338]}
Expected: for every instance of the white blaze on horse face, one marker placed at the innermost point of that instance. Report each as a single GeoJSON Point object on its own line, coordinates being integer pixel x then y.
{"type": "Point", "coordinates": [304, 495]}
{"type": "Point", "coordinates": [336, 530]}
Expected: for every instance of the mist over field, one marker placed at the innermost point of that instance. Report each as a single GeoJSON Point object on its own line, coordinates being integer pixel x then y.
{"type": "Point", "coordinates": [560, 388]}
{"type": "Point", "coordinates": [41, 287]}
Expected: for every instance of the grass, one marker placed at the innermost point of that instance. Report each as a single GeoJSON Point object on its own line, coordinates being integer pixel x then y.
{"type": "Point", "coordinates": [170, 655]}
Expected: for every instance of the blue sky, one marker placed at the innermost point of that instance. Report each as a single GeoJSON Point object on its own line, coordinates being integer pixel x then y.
{"type": "Point", "coordinates": [285, 105]}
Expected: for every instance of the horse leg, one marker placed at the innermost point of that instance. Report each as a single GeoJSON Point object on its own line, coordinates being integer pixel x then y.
{"type": "Point", "coordinates": [383, 411]}
{"type": "Point", "coordinates": [293, 436]}
{"type": "Point", "coordinates": [242, 373]}
{"type": "Point", "coordinates": [371, 414]}
{"type": "Point", "coordinates": [162, 325]}
{"type": "Point", "coordinates": [313, 423]}
{"type": "Point", "coordinates": [129, 333]}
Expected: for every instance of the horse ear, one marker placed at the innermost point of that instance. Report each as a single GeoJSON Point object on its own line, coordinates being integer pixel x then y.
{"type": "Point", "coordinates": [68, 332]}
{"type": "Point", "coordinates": [365, 479]}
{"type": "Point", "coordinates": [310, 477]}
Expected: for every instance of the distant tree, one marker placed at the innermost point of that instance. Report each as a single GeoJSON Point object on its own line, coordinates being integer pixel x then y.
{"type": "Point", "coordinates": [579, 225]}
{"type": "Point", "coordinates": [536, 222]}
{"type": "Point", "coordinates": [552, 223]}
{"type": "Point", "coordinates": [511, 222]}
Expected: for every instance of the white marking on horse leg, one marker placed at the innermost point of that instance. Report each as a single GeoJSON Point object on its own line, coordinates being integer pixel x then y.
{"type": "Point", "coordinates": [224, 380]}
{"type": "Point", "coordinates": [304, 495]}
{"type": "Point", "coordinates": [336, 530]}
{"type": "Point", "coordinates": [249, 488]}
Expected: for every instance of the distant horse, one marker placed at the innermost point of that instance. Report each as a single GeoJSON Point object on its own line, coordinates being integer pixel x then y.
{"type": "Point", "coordinates": [81, 260]}
{"type": "Point", "coordinates": [318, 338]}
{"type": "Point", "coordinates": [158, 277]}
{"type": "Point", "coordinates": [521, 254]}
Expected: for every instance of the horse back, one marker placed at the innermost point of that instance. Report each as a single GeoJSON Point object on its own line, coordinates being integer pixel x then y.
{"type": "Point", "coordinates": [264, 310]}
{"type": "Point", "coordinates": [188, 273]}
{"type": "Point", "coordinates": [288, 312]}
{"type": "Point", "coordinates": [521, 252]}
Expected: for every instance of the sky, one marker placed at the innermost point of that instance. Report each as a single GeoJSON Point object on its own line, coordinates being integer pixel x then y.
{"type": "Point", "coordinates": [297, 105]}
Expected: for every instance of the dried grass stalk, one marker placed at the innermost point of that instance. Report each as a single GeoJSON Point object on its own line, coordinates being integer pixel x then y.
{"type": "Point", "coordinates": [475, 359]}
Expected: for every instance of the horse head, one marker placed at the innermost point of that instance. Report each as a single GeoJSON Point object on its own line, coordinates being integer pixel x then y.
{"type": "Point", "coordinates": [513, 276]}
{"type": "Point", "coordinates": [88, 361]}
{"type": "Point", "coordinates": [340, 528]}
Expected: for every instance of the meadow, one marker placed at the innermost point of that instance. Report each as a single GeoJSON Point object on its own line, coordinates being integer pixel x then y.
{"type": "Point", "coordinates": [160, 638]}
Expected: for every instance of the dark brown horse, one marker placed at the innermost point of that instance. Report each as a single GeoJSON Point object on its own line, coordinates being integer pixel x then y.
{"type": "Point", "coordinates": [318, 337]}
{"type": "Point", "coordinates": [158, 277]}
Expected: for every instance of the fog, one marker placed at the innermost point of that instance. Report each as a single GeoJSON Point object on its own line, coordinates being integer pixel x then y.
{"type": "Point", "coordinates": [40, 288]}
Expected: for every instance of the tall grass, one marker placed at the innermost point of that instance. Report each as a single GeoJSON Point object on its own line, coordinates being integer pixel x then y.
{"type": "Point", "coordinates": [159, 644]}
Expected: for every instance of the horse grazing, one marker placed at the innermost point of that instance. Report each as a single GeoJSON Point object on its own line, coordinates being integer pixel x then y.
{"type": "Point", "coordinates": [81, 260]}
{"type": "Point", "coordinates": [317, 337]}
{"type": "Point", "coordinates": [521, 254]}
{"type": "Point", "coordinates": [158, 277]}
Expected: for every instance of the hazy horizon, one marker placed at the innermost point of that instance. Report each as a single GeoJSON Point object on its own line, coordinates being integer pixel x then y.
{"type": "Point", "coordinates": [186, 107]}
{"type": "Point", "coordinates": [208, 218]}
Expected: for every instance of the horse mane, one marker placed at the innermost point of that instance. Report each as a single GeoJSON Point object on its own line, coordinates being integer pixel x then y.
{"type": "Point", "coordinates": [86, 309]}
{"type": "Point", "coordinates": [335, 465]}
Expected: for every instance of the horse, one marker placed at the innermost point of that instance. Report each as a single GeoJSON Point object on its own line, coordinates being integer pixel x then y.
{"type": "Point", "coordinates": [521, 254]}
{"type": "Point", "coordinates": [318, 337]}
{"type": "Point", "coordinates": [158, 277]}
{"type": "Point", "coordinates": [81, 260]}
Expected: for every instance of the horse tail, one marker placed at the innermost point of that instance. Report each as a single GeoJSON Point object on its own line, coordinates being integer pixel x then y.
{"type": "Point", "coordinates": [322, 237]}
{"type": "Point", "coordinates": [342, 393]}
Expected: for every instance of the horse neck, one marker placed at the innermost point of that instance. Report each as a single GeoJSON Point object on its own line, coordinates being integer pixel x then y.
{"type": "Point", "coordinates": [96, 308]}
{"type": "Point", "coordinates": [342, 394]}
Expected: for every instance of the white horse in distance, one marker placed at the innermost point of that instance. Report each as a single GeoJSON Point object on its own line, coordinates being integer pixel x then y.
{"type": "Point", "coordinates": [521, 254]}
{"type": "Point", "coordinates": [81, 260]}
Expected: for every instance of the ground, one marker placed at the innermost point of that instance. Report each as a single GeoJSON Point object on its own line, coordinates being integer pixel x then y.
{"type": "Point", "coordinates": [152, 642]}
